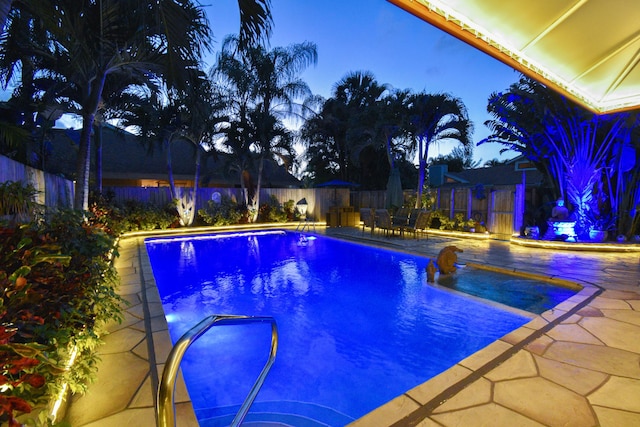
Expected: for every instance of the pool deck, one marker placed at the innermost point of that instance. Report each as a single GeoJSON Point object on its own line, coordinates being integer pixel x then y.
{"type": "Point", "coordinates": [575, 365]}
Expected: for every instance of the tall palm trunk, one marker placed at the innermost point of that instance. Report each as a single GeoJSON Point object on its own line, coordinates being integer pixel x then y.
{"type": "Point", "coordinates": [98, 139]}
{"type": "Point", "coordinates": [256, 197]}
{"type": "Point", "coordinates": [422, 169]}
{"type": "Point", "coordinates": [81, 200]}
{"type": "Point", "coordinates": [172, 185]}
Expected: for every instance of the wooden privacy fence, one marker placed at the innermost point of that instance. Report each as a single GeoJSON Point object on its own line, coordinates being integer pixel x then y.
{"type": "Point", "coordinates": [501, 208]}
{"type": "Point", "coordinates": [319, 200]}
{"type": "Point", "coordinates": [53, 191]}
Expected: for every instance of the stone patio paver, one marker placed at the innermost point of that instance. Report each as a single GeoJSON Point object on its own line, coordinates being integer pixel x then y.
{"type": "Point", "coordinates": [489, 415]}
{"type": "Point", "coordinates": [545, 402]}
{"type": "Point", "coordinates": [596, 357]}
{"type": "Point", "coordinates": [614, 333]}
{"type": "Point", "coordinates": [521, 365]}
{"type": "Point", "coordinates": [618, 393]}
{"type": "Point", "coordinates": [615, 418]}
{"type": "Point", "coordinates": [582, 381]}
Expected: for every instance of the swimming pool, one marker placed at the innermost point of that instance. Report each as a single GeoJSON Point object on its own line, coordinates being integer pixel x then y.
{"type": "Point", "coordinates": [358, 325]}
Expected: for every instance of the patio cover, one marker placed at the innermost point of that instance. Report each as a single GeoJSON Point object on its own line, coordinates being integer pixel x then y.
{"type": "Point", "coordinates": [587, 50]}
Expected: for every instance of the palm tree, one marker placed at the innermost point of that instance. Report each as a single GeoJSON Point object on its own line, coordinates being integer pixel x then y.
{"type": "Point", "coordinates": [361, 95]}
{"type": "Point", "coordinates": [266, 89]}
{"type": "Point", "coordinates": [5, 8]}
{"type": "Point", "coordinates": [128, 40]}
{"type": "Point", "coordinates": [163, 117]}
{"type": "Point", "coordinates": [19, 63]}
{"type": "Point", "coordinates": [346, 125]}
{"type": "Point", "coordinates": [391, 122]}
{"type": "Point", "coordinates": [436, 118]}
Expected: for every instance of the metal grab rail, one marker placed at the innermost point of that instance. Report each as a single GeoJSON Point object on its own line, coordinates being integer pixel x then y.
{"type": "Point", "coordinates": [165, 411]}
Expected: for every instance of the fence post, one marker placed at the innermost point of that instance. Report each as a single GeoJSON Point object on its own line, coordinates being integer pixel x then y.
{"type": "Point", "coordinates": [518, 208]}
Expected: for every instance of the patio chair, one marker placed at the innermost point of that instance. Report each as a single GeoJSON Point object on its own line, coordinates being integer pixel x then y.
{"type": "Point", "coordinates": [383, 222]}
{"type": "Point", "coordinates": [421, 223]}
{"type": "Point", "coordinates": [367, 218]}
{"type": "Point", "coordinates": [413, 217]}
{"type": "Point", "coordinates": [401, 217]}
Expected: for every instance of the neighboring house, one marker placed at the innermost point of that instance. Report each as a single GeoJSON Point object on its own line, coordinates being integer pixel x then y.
{"type": "Point", "coordinates": [494, 195]}
{"type": "Point", "coordinates": [126, 162]}
{"type": "Point", "coordinates": [516, 171]}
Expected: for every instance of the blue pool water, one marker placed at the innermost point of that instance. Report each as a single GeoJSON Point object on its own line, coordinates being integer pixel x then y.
{"type": "Point", "coordinates": [358, 325]}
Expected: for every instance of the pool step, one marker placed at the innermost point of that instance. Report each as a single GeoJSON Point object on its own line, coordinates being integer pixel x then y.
{"type": "Point", "coordinates": [274, 413]}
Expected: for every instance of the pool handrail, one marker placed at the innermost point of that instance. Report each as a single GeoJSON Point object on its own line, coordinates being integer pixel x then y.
{"type": "Point", "coordinates": [165, 410]}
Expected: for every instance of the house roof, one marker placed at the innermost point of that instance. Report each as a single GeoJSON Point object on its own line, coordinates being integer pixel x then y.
{"type": "Point", "coordinates": [125, 157]}
{"type": "Point", "coordinates": [505, 174]}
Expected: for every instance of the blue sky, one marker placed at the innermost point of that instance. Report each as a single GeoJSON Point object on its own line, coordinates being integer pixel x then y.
{"type": "Point", "coordinates": [377, 36]}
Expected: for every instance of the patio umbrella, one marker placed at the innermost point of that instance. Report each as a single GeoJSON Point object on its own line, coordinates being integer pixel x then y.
{"type": "Point", "coordinates": [395, 198]}
{"type": "Point", "coordinates": [335, 184]}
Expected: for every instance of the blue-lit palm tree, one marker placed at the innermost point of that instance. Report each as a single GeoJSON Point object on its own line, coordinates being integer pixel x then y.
{"type": "Point", "coordinates": [590, 157]}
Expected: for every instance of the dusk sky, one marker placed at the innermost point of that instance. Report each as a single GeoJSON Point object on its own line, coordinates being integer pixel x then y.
{"type": "Point", "coordinates": [377, 36]}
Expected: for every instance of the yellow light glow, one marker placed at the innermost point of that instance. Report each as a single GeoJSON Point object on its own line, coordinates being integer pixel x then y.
{"type": "Point", "coordinates": [57, 404]}
{"type": "Point", "coordinates": [586, 246]}
{"type": "Point", "coordinates": [462, 20]}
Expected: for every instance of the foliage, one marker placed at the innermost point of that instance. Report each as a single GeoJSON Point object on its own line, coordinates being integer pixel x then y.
{"type": "Point", "coordinates": [147, 216]}
{"type": "Point", "coordinates": [17, 200]}
{"type": "Point", "coordinates": [599, 220]}
{"type": "Point", "coordinates": [428, 200]}
{"type": "Point", "coordinates": [273, 211]}
{"type": "Point", "coordinates": [227, 212]}
{"type": "Point", "coordinates": [22, 373]}
{"type": "Point", "coordinates": [441, 221]}
{"type": "Point", "coordinates": [435, 118]}
{"type": "Point", "coordinates": [346, 137]}
{"type": "Point", "coordinates": [136, 48]}
{"type": "Point", "coordinates": [132, 216]}
{"type": "Point", "coordinates": [290, 209]}
{"type": "Point", "coordinates": [58, 290]}
{"type": "Point", "coordinates": [459, 159]}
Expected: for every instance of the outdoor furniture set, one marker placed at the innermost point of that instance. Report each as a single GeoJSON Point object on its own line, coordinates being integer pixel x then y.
{"type": "Point", "coordinates": [404, 220]}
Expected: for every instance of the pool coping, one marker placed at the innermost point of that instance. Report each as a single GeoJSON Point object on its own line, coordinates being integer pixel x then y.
{"type": "Point", "coordinates": [415, 404]}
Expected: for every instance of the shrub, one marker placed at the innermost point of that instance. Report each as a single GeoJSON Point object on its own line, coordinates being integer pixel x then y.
{"type": "Point", "coordinates": [272, 211]}
{"type": "Point", "coordinates": [428, 200]}
{"type": "Point", "coordinates": [17, 201]}
{"type": "Point", "coordinates": [57, 291]}
{"type": "Point", "coordinates": [439, 220]}
{"type": "Point", "coordinates": [290, 210]}
{"type": "Point", "coordinates": [133, 216]}
{"type": "Point", "coordinates": [227, 212]}
{"type": "Point", "coordinates": [145, 216]}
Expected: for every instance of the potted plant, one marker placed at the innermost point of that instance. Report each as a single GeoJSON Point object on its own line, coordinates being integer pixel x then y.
{"type": "Point", "coordinates": [600, 224]}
